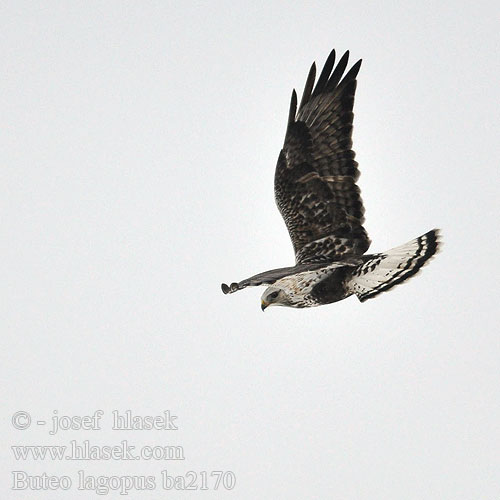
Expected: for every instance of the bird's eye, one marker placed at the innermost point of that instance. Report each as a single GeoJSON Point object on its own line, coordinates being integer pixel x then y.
{"type": "Point", "coordinates": [272, 295]}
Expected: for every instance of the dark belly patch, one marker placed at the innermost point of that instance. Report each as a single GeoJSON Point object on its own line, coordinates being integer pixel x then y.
{"type": "Point", "coordinates": [332, 288]}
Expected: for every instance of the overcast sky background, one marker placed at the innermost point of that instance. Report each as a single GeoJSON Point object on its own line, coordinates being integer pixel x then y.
{"type": "Point", "coordinates": [138, 147]}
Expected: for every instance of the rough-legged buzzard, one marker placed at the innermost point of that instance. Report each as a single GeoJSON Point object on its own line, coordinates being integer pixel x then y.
{"type": "Point", "coordinates": [316, 193]}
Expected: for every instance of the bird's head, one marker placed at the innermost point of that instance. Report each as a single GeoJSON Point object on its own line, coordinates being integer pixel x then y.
{"type": "Point", "coordinates": [274, 296]}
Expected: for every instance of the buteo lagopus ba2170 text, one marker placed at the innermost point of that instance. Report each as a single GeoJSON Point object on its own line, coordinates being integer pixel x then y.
{"type": "Point", "coordinates": [316, 193]}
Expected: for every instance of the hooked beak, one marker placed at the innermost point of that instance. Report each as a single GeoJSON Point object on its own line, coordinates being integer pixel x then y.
{"type": "Point", "coordinates": [263, 305]}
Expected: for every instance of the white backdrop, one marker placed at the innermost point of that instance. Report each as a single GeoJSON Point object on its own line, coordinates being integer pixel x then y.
{"type": "Point", "coordinates": [138, 145]}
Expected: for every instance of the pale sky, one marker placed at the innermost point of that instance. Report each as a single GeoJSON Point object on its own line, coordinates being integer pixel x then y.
{"type": "Point", "coordinates": [138, 147]}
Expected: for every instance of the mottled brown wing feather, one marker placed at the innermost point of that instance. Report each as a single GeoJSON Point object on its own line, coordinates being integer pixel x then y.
{"type": "Point", "coordinates": [315, 180]}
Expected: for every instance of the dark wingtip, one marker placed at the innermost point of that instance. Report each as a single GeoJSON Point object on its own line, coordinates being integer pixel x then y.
{"type": "Point", "coordinates": [337, 72]}
{"type": "Point", "coordinates": [233, 287]}
{"type": "Point", "coordinates": [331, 55]}
{"type": "Point", "coordinates": [355, 69]}
{"type": "Point", "coordinates": [293, 109]}
{"type": "Point", "coordinates": [308, 86]}
{"type": "Point", "coordinates": [293, 105]}
{"type": "Point", "coordinates": [325, 73]}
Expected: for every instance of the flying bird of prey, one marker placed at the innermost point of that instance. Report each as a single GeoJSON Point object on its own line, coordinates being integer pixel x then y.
{"type": "Point", "coordinates": [316, 193]}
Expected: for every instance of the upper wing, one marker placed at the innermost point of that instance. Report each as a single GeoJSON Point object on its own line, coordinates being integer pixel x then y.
{"type": "Point", "coordinates": [315, 181]}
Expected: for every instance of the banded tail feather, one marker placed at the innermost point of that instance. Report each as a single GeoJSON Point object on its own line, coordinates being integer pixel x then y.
{"type": "Point", "coordinates": [383, 271]}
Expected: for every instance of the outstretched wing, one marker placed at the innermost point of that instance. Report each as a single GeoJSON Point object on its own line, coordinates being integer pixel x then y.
{"type": "Point", "coordinates": [315, 180]}
{"type": "Point", "coordinates": [270, 277]}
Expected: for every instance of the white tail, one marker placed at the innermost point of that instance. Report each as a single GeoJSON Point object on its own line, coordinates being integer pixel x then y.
{"type": "Point", "coordinates": [382, 271]}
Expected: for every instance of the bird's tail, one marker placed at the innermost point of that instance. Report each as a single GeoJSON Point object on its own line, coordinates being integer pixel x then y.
{"type": "Point", "coordinates": [382, 271]}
